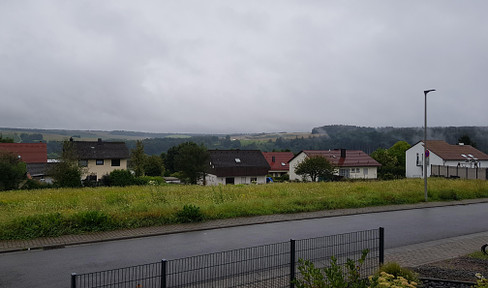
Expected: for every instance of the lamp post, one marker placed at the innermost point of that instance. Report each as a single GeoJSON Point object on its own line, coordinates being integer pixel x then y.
{"type": "Point", "coordinates": [425, 141]}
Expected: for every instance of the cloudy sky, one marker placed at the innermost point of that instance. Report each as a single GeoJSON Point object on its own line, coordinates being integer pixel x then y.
{"type": "Point", "coordinates": [242, 66]}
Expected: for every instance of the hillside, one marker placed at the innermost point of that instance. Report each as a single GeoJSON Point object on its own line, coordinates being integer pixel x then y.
{"type": "Point", "coordinates": [367, 139]}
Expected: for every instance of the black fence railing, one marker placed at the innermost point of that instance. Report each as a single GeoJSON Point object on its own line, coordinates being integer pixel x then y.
{"type": "Point", "coordinates": [272, 265]}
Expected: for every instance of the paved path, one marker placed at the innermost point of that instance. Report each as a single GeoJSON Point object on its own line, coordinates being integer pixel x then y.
{"type": "Point", "coordinates": [411, 255]}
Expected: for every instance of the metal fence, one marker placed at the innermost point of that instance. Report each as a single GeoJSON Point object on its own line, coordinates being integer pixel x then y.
{"type": "Point", "coordinates": [271, 265]}
{"type": "Point", "coordinates": [459, 172]}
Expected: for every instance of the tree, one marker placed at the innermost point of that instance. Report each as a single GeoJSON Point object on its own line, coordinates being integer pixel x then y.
{"type": "Point", "coordinates": [191, 160]}
{"type": "Point", "coordinates": [387, 161]}
{"type": "Point", "coordinates": [138, 159]}
{"type": "Point", "coordinates": [6, 140]}
{"type": "Point", "coordinates": [67, 172]}
{"type": "Point", "coordinates": [315, 167]}
{"type": "Point", "coordinates": [12, 171]}
{"type": "Point", "coordinates": [154, 166]}
{"type": "Point", "coordinates": [466, 140]}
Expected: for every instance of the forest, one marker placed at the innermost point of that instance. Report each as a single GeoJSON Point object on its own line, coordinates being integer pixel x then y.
{"type": "Point", "coordinates": [367, 139]}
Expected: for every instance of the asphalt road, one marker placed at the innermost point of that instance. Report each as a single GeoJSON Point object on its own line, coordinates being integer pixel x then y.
{"type": "Point", "coordinates": [52, 268]}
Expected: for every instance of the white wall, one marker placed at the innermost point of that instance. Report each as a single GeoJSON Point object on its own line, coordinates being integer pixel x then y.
{"type": "Point", "coordinates": [293, 165]}
{"type": "Point", "coordinates": [213, 180]}
{"type": "Point", "coordinates": [414, 171]}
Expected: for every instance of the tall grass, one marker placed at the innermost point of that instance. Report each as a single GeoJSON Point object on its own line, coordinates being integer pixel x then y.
{"type": "Point", "coordinates": [54, 212]}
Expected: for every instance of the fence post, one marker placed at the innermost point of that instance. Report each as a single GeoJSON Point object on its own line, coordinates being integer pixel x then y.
{"type": "Point", "coordinates": [73, 280]}
{"type": "Point", "coordinates": [163, 273]}
{"type": "Point", "coordinates": [382, 245]}
{"type": "Point", "coordinates": [292, 262]}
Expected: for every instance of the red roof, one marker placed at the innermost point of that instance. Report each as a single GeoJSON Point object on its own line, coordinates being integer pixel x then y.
{"type": "Point", "coordinates": [353, 158]}
{"type": "Point", "coordinates": [278, 160]}
{"type": "Point", "coordinates": [454, 152]}
{"type": "Point", "coordinates": [28, 152]}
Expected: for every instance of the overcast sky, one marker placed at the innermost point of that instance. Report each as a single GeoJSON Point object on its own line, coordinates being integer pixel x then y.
{"type": "Point", "coordinates": [242, 66]}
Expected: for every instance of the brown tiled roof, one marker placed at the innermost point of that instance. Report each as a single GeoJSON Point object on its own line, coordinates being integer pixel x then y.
{"type": "Point", "coordinates": [225, 163]}
{"type": "Point", "coordinates": [101, 150]}
{"type": "Point", "coordinates": [29, 152]}
{"type": "Point", "coordinates": [280, 162]}
{"type": "Point", "coordinates": [354, 158]}
{"type": "Point", "coordinates": [453, 152]}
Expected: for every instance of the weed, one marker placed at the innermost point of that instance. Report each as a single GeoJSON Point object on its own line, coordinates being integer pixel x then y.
{"type": "Point", "coordinates": [189, 213]}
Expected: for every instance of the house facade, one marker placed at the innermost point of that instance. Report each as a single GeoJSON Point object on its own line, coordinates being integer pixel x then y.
{"type": "Point", "coordinates": [443, 154]}
{"type": "Point", "coordinates": [352, 164]}
{"type": "Point", "coordinates": [278, 161]}
{"type": "Point", "coordinates": [99, 158]}
{"type": "Point", "coordinates": [236, 167]}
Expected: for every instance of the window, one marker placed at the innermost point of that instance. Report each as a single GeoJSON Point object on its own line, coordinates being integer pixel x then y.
{"type": "Point", "coordinates": [83, 163]}
{"type": "Point", "coordinates": [115, 162]}
{"type": "Point", "coordinates": [254, 180]}
{"type": "Point", "coordinates": [237, 160]}
{"type": "Point", "coordinates": [419, 160]}
{"type": "Point", "coordinates": [99, 162]}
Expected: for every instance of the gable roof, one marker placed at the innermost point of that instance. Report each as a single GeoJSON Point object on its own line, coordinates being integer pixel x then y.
{"type": "Point", "coordinates": [278, 161]}
{"type": "Point", "coordinates": [28, 152]}
{"type": "Point", "coordinates": [353, 158]}
{"type": "Point", "coordinates": [453, 152]}
{"type": "Point", "coordinates": [225, 163]}
{"type": "Point", "coordinates": [87, 150]}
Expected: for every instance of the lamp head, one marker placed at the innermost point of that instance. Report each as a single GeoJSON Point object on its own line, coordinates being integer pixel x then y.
{"type": "Point", "coordinates": [427, 91]}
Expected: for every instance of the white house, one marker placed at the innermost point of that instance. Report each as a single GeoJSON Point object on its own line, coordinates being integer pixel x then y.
{"type": "Point", "coordinates": [236, 167]}
{"type": "Point", "coordinates": [444, 154]}
{"type": "Point", "coordinates": [353, 164]}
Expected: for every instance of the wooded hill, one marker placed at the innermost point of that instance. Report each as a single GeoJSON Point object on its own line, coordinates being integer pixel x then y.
{"type": "Point", "coordinates": [367, 139]}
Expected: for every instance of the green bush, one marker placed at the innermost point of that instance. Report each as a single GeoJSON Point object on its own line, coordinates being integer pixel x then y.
{"type": "Point", "coordinates": [396, 270]}
{"type": "Point", "coordinates": [333, 276]}
{"type": "Point", "coordinates": [189, 213]}
{"type": "Point", "coordinates": [121, 178]}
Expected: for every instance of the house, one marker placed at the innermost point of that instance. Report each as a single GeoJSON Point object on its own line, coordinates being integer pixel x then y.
{"type": "Point", "coordinates": [100, 158]}
{"type": "Point", "coordinates": [443, 154]}
{"type": "Point", "coordinates": [27, 152]}
{"type": "Point", "coordinates": [34, 155]}
{"type": "Point", "coordinates": [353, 164]}
{"type": "Point", "coordinates": [237, 167]}
{"type": "Point", "coordinates": [278, 161]}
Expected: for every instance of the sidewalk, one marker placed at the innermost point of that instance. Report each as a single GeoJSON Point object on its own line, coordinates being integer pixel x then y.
{"type": "Point", "coordinates": [408, 256]}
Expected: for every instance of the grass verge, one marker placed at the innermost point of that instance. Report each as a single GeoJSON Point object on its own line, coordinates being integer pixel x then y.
{"type": "Point", "coordinates": [54, 212]}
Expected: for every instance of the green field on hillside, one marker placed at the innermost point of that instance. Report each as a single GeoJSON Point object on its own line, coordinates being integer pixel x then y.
{"type": "Point", "coordinates": [54, 212]}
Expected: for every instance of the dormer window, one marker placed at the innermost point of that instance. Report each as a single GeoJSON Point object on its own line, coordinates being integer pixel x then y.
{"type": "Point", "coordinates": [238, 160]}
{"type": "Point", "coordinates": [283, 164]}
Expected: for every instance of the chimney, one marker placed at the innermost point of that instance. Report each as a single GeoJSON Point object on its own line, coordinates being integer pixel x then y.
{"type": "Point", "coordinates": [343, 153]}
{"type": "Point", "coordinates": [99, 140]}
{"type": "Point", "coordinates": [273, 159]}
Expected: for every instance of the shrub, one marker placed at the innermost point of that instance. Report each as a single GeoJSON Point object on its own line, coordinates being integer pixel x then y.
{"type": "Point", "coordinates": [334, 275]}
{"type": "Point", "coordinates": [397, 271]}
{"type": "Point", "coordinates": [388, 280]}
{"type": "Point", "coordinates": [121, 178]}
{"type": "Point", "coordinates": [482, 282]}
{"type": "Point", "coordinates": [189, 213]}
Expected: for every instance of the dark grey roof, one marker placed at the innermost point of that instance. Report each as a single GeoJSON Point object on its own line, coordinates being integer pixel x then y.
{"type": "Point", "coordinates": [39, 169]}
{"type": "Point", "coordinates": [238, 163]}
{"type": "Point", "coordinates": [101, 150]}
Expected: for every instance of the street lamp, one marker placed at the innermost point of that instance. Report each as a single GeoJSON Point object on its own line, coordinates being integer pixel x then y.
{"type": "Point", "coordinates": [425, 141]}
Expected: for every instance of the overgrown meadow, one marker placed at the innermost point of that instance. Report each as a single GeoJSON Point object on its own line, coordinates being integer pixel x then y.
{"type": "Point", "coordinates": [54, 212]}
